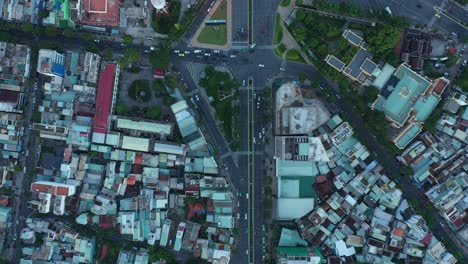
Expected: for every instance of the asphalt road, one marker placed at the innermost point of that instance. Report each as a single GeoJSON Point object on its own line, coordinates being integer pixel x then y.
{"type": "Point", "coordinates": [264, 14]}
{"type": "Point", "coordinates": [240, 21]}
{"type": "Point", "coordinates": [416, 11]}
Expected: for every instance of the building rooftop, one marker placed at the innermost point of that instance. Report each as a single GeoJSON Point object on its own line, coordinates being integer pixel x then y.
{"type": "Point", "coordinates": [103, 13]}
{"type": "Point", "coordinates": [144, 126]}
{"type": "Point", "coordinates": [135, 143]}
{"type": "Point", "coordinates": [405, 88]}
{"type": "Point", "coordinates": [104, 99]}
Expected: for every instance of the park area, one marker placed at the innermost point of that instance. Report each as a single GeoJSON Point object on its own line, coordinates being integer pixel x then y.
{"type": "Point", "coordinates": [215, 34]}
{"type": "Point", "coordinates": [220, 86]}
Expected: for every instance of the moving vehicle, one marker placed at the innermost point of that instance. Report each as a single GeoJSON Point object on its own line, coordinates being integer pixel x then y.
{"type": "Point", "coordinates": [261, 65]}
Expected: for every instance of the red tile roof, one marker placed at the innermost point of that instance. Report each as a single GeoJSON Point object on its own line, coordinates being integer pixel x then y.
{"type": "Point", "coordinates": [50, 189]}
{"type": "Point", "coordinates": [439, 86]}
{"type": "Point", "coordinates": [7, 96]}
{"type": "Point", "coordinates": [104, 99]}
{"type": "Point", "coordinates": [398, 232]}
{"type": "Point", "coordinates": [101, 12]}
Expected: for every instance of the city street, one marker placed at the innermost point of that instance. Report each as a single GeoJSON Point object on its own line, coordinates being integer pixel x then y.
{"type": "Point", "coordinates": [245, 65]}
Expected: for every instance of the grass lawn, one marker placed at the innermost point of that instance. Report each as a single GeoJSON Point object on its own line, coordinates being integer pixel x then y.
{"type": "Point", "coordinates": [140, 91]}
{"type": "Point", "coordinates": [209, 35]}
{"type": "Point", "coordinates": [278, 29]}
{"type": "Point", "coordinates": [294, 55]}
{"type": "Point", "coordinates": [220, 12]}
{"type": "Point", "coordinates": [285, 3]}
{"type": "Point", "coordinates": [280, 50]}
{"type": "Point", "coordinates": [217, 85]}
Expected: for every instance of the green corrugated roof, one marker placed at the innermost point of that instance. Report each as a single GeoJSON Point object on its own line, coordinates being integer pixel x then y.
{"type": "Point", "coordinates": [408, 136]}
{"type": "Point", "coordinates": [291, 238]}
{"type": "Point", "coordinates": [296, 168]}
{"type": "Point", "coordinates": [304, 149]}
{"type": "Point", "coordinates": [424, 107]}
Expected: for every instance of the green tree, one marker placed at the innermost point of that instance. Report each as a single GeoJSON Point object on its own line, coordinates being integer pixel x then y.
{"type": "Point", "coordinates": [27, 27]}
{"type": "Point", "coordinates": [121, 108]}
{"type": "Point", "coordinates": [168, 100]}
{"type": "Point", "coordinates": [299, 34]}
{"type": "Point", "coordinates": [160, 58]}
{"type": "Point", "coordinates": [132, 55]}
{"type": "Point", "coordinates": [153, 112]}
{"type": "Point", "coordinates": [156, 253]}
{"type": "Point", "coordinates": [68, 33]}
{"type": "Point", "coordinates": [108, 54]}
{"type": "Point", "coordinates": [51, 31]}
{"type": "Point", "coordinates": [127, 39]}
{"type": "Point", "coordinates": [44, 14]}
{"type": "Point", "coordinates": [383, 39]}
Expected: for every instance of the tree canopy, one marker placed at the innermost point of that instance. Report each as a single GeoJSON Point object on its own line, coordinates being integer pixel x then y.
{"type": "Point", "coordinates": [160, 58]}
{"type": "Point", "coordinates": [383, 39]}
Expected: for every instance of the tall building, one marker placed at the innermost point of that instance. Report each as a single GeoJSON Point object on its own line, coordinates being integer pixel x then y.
{"type": "Point", "coordinates": [51, 63]}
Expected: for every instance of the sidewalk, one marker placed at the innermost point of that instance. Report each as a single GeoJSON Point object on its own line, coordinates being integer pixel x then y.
{"type": "Point", "coordinates": [288, 40]}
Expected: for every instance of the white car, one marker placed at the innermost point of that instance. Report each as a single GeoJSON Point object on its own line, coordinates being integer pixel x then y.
{"type": "Point", "coordinates": [233, 56]}
{"type": "Point", "coordinates": [243, 82]}
{"type": "Point", "coordinates": [176, 51]}
{"type": "Point", "coordinates": [209, 9]}
{"type": "Point", "coordinates": [152, 48]}
{"type": "Point", "coordinates": [216, 51]}
{"type": "Point", "coordinates": [196, 97]}
{"type": "Point", "coordinates": [238, 216]}
{"type": "Point", "coordinates": [97, 40]}
{"type": "Point", "coordinates": [207, 54]}
{"type": "Point", "coordinates": [261, 65]}
{"type": "Point", "coordinates": [245, 216]}
{"type": "Point", "coordinates": [247, 196]}
{"type": "Point", "coordinates": [197, 51]}
{"type": "Point", "coordinates": [281, 69]}
{"type": "Point", "coordinates": [187, 52]}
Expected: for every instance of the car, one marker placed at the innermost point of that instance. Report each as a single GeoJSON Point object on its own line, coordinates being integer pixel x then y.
{"type": "Point", "coordinates": [207, 54]}
{"type": "Point", "coordinates": [253, 45]}
{"type": "Point", "coordinates": [181, 55]}
{"type": "Point", "coordinates": [147, 51]}
{"type": "Point", "coordinates": [187, 52]}
{"type": "Point", "coordinates": [464, 63]}
{"type": "Point", "coordinates": [197, 51]}
{"type": "Point", "coordinates": [389, 11]}
{"type": "Point", "coordinates": [263, 131]}
{"type": "Point", "coordinates": [152, 48]}
{"type": "Point", "coordinates": [123, 45]}
{"type": "Point", "coordinates": [254, 141]}
{"type": "Point", "coordinates": [446, 74]}
{"type": "Point", "coordinates": [97, 40]}
{"type": "Point", "coordinates": [247, 195]}
{"type": "Point", "coordinates": [196, 97]}
{"type": "Point", "coordinates": [238, 203]}
{"type": "Point", "coordinates": [281, 69]}
{"type": "Point", "coordinates": [243, 82]}
{"type": "Point", "coordinates": [216, 51]}
{"type": "Point", "coordinates": [212, 3]}
{"type": "Point", "coordinates": [261, 65]}
{"type": "Point", "coordinates": [239, 194]}
{"type": "Point", "coordinates": [245, 216]}
{"type": "Point", "coordinates": [176, 51]}
{"type": "Point", "coordinates": [209, 9]}
{"type": "Point", "coordinates": [242, 30]}
{"type": "Point", "coordinates": [24, 170]}
{"type": "Point", "coordinates": [233, 56]}
{"type": "Point", "coordinates": [437, 15]}
{"type": "Point", "coordinates": [238, 216]}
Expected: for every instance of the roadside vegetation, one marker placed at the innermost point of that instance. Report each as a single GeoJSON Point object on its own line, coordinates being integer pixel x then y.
{"type": "Point", "coordinates": [280, 49]}
{"type": "Point", "coordinates": [278, 30]}
{"type": "Point", "coordinates": [220, 87]}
